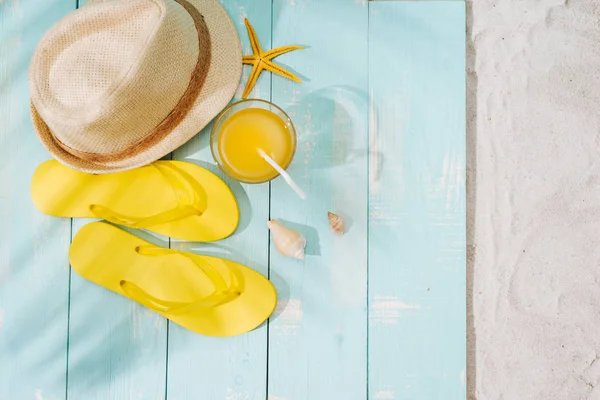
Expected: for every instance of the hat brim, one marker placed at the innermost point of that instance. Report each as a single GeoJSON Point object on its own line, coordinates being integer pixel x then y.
{"type": "Point", "coordinates": [221, 83]}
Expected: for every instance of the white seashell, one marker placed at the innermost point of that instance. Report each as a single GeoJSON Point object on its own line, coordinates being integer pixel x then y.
{"type": "Point", "coordinates": [289, 242]}
{"type": "Point", "coordinates": [336, 223]}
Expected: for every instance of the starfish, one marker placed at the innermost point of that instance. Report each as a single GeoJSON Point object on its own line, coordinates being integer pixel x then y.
{"type": "Point", "coordinates": [261, 60]}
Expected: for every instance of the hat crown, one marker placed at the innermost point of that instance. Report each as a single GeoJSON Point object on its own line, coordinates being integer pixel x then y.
{"type": "Point", "coordinates": [109, 73]}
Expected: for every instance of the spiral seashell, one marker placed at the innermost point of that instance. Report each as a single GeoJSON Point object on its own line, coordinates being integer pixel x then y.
{"type": "Point", "coordinates": [289, 242]}
{"type": "Point", "coordinates": [336, 223]}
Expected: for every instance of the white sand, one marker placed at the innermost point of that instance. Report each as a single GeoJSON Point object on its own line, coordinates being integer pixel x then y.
{"type": "Point", "coordinates": [534, 199]}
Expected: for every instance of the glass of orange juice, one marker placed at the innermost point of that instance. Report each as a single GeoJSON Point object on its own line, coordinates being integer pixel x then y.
{"type": "Point", "coordinates": [243, 128]}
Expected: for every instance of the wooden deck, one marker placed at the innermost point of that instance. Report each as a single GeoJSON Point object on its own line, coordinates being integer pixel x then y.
{"type": "Point", "coordinates": [378, 313]}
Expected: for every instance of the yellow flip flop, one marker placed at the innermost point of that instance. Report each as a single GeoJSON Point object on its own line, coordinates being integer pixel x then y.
{"type": "Point", "coordinates": [172, 198]}
{"type": "Point", "coordinates": [207, 295]}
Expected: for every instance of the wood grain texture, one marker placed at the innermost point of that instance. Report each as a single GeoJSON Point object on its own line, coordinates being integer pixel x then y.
{"type": "Point", "coordinates": [228, 368]}
{"type": "Point", "coordinates": [34, 273]}
{"type": "Point", "coordinates": [417, 201]}
{"type": "Point", "coordinates": [317, 342]}
{"type": "Point", "coordinates": [117, 348]}
{"type": "Point", "coordinates": [380, 121]}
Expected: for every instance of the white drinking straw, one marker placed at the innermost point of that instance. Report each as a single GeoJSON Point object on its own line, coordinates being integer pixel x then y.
{"type": "Point", "coordinates": [282, 172]}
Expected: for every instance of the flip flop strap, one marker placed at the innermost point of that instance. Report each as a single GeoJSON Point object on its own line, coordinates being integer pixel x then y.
{"type": "Point", "coordinates": [189, 194]}
{"type": "Point", "coordinates": [222, 294]}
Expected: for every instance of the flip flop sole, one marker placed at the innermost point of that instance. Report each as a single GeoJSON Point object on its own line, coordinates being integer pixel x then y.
{"type": "Point", "coordinates": [62, 192]}
{"type": "Point", "coordinates": [106, 255]}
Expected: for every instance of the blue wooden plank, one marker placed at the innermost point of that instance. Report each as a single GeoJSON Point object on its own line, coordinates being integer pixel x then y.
{"type": "Point", "coordinates": [34, 274]}
{"type": "Point", "coordinates": [118, 351]}
{"type": "Point", "coordinates": [417, 201]}
{"type": "Point", "coordinates": [117, 348]}
{"type": "Point", "coordinates": [317, 342]}
{"type": "Point", "coordinates": [228, 368]}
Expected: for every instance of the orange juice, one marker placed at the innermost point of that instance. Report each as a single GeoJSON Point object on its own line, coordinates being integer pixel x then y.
{"type": "Point", "coordinates": [248, 130]}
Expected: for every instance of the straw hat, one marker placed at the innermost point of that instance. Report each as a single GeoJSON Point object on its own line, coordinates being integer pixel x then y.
{"type": "Point", "coordinates": [118, 84]}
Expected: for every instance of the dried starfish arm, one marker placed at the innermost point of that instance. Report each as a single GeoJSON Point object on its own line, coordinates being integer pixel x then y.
{"type": "Point", "coordinates": [253, 38]}
{"type": "Point", "coordinates": [249, 60]}
{"type": "Point", "coordinates": [269, 55]}
{"type": "Point", "coordinates": [256, 70]}
{"type": "Point", "coordinates": [269, 66]}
